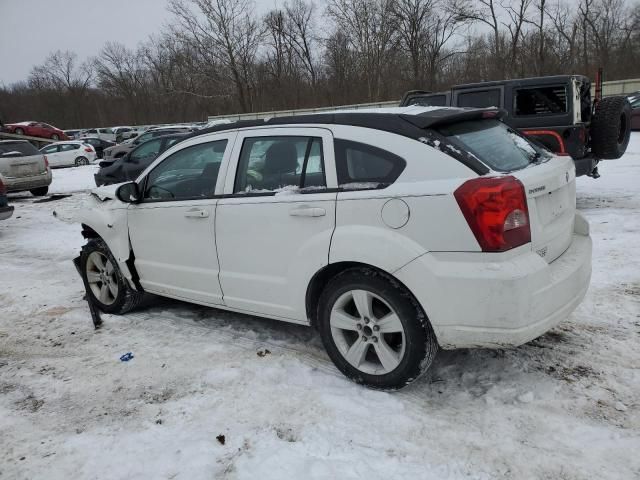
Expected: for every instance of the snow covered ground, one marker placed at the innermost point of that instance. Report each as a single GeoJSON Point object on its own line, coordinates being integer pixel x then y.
{"type": "Point", "coordinates": [565, 406]}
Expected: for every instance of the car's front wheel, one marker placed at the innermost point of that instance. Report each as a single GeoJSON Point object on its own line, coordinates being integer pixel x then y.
{"type": "Point", "coordinates": [19, 131]}
{"type": "Point", "coordinates": [374, 330]}
{"type": "Point", "coordinates": [108, 288]}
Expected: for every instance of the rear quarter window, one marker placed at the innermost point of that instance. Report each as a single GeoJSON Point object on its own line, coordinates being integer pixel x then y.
{"type": "Point", "coordinates": [362, 166]}
{"type": "Point", "coordinates": [540, 100]}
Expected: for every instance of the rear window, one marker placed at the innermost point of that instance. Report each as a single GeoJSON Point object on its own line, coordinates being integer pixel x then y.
{"type": "Point", "coordinates": [24, 148]}
{"type": "Point", "coordinates": [480, 98]}
{"type": "Point", "coordinates": [540, 100]}
{"type": "Point", "coordinates": [495, 144]}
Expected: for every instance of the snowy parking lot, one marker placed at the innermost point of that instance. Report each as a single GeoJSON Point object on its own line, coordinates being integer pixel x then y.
{"type": "Point", "coordinates": [211, 394]}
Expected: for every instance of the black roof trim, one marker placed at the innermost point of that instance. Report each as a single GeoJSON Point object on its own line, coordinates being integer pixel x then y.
{"type": "Point", "coordinates": [520, 82]}
{"type": "Point", "coordinates": [411, 126]}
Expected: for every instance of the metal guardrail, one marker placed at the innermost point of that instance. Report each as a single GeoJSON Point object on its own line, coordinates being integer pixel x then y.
{"type": "Point", "coordinates": [615, 87]}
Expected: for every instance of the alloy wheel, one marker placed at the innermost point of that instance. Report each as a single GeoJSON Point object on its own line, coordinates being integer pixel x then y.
{"type": "Point", "coordinates": [367, 332]}
{"type": "Point", "coordinates": [101, 276]}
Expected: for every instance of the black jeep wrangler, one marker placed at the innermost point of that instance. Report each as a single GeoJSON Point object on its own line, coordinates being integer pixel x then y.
{"type": "Point", "coordinates": [556, 111]}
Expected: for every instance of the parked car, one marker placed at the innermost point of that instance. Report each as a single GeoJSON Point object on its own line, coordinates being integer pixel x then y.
{"type": "Point", "coordinates": [24, 168]}
{"type": "Point", "coordinates": [556, 111]}
{"type": "Point", "coordinates": [69, 154]}
{"type": "Point", "coordinates": [98, 144]}
{"type": "Point", "coordinates": [72, 134]}
{"type": "Point", "coordinates": [121, 150]}
{"type": "Point", "coordinates": [634, 100]}
{"type": "Point", "coordinates": [392, 233]}
{"type": "Point", "coordinates": [132, 164]}
{"type": "Point", "coordinates": [6, 210]}
{"type": "Point", "coordinates": [36, 129]}
{"type": "Point", "coordinates": [124, 133]}
{"type": "Point", "coordinates": [101, 133]}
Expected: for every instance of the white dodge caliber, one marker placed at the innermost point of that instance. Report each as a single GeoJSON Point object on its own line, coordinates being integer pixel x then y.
{"type": "Point", "coordinates": [392, 232]}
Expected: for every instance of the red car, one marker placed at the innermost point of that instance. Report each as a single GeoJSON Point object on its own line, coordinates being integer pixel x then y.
{"type": "Point", "coordinates": [36, 129]}
{"type": "Point", "coordinates": [634, 100]}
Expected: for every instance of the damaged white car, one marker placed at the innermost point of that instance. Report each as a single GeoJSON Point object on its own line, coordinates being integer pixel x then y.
{"type": "Point", "coordinates": [392, 232]}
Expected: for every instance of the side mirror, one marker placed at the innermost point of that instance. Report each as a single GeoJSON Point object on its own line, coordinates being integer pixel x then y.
{"type": "Point", "coordinates": [128, 193]}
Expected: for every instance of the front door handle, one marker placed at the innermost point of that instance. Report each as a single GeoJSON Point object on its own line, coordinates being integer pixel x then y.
{"type": "Point", "coordinates": [307, 212]}
{"type": "Point", "coordinates": [196, 213]}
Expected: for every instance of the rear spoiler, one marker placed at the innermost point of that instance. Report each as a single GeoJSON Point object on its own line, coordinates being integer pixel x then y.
{"type": "Point", "coordinates": [447, 116]}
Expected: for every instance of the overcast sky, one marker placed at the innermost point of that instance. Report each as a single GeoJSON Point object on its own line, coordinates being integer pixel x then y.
{"type": "Point", "coordinates": [30, 29]}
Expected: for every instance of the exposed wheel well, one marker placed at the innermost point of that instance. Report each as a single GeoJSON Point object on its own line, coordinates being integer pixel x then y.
{"type": "Point", "coordinates": [88, 232]}
{"type": "Point", "coordinates": [322, 278]}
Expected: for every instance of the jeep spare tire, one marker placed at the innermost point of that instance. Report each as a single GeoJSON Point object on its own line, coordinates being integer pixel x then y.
{"type": "Point", "coordinates": [611, 128]}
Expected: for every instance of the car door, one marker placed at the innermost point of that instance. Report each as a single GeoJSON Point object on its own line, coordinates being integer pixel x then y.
{"type": "Point", "coordinates": [69, 153]}
{"type": "Point", "coordinates": [272, 235]}
{"type": "Point", "coordinates": [53, 155]}
{"type": "Point", "coordinates": [172, 229]}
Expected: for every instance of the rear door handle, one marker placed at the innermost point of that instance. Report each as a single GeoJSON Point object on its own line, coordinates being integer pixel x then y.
{"type": "Point", "coordinates": [307, 212]}
{"type": "Point", "coordinates": [196, 213]}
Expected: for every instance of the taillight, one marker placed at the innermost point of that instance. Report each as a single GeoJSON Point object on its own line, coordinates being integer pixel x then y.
{"type": "Point", "coordinates": [496, 210]}
{"type": "Point", "coordinates": [3, 188]}
{"type": "Point", "coordinates": [88, 149]}
{"type": "Point", "coordinates": [46, 162]}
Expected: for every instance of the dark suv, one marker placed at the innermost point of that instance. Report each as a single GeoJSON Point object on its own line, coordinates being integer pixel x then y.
{"type": "Point", "coordinates": [556, 111]}
{"type": "Point", "coordinates": [132, 164]}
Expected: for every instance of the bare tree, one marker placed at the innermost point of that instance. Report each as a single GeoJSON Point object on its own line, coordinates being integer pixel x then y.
{"type": "Point", "coordinates": [369, 25]}
{"type": "Point", "coordinates": [224, 33]}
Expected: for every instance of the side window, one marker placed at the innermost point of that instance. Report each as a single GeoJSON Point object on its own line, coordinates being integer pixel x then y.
{"type": "Point", "coordinates": [429, 101]}
{"type": "Point", "coordinates": [67, 147]}
{"type": "Point", "coordinates": [50, 149]}
{"type": "Point", "coordinates": [540, 100]}
{"type": "Point", "coordinates": [190, 173]}
{"type": "Point", "coordinates": [268, 164]}
{"type": "Point", "coordinates": [480, 98]}
{"type": "Point", "coordinates": [362, 166]}
{"type": "Point", "coordinates": [149, 149]}
{"type": "Point", "coordinates": [635, 103]}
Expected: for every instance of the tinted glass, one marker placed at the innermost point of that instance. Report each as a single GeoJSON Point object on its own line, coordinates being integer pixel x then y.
{"type": "Point", "coordinates": [148, 149]}
{"type": "Point", "coordinates": [363, 166]}
{"type": "Point", "coordinates": [540, 100]}
{"type": "Point", "coordinates": [50, 149]}
{"type": "Point", "coordinates": [67, 147]}
{"type": "Point", "coordinates": [268, 164]}
{"type": "Point", "coordinates": [480, 98]}
{"type": "Point", "coordinates": [495, 144]}
{"type": "Point", "coordinates": [24, 148]}
{"type": "Point", "coordinates": [190, 173]}
{"type": "Point", "coordinates": [429, 101]}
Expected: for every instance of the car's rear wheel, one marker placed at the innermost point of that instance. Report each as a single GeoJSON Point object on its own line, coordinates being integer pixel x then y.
{"type": "Point", "coordinates": [39, 192]}
{"type": "Point", "coordinates": [81, 161]}
{"type": "Point", "coordinates": [55, 136]}
{"type": "Point", "coordinates": [611, 128]}
{"type": "Point", "coordinates": [374, 330]}
{"type": "Point", "coordinates": [108, 288]}
{"type": "Point", "coordinates": [19, 131]}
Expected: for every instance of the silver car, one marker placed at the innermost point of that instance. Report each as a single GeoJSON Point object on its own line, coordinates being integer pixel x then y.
{"type": "Point", "coordinates": [24, 168]}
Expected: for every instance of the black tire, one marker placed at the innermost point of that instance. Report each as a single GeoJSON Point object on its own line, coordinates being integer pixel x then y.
{"type": "Point", "coordinates": [421, 344]}
{"type": "Point", "coordinates": [19, 131]}
{"type": "Point", "coordinates": [127, 298]}
{"type": "Point", "coordinates": [81, 161]}
{"type": "Point", "coordinates": [39, 192]}
{"type": "Point", "coordinates": [611, 128]}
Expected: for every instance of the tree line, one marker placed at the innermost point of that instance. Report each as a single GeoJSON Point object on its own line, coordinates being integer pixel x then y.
{"type": "Point", "coordinates": [220, 57]}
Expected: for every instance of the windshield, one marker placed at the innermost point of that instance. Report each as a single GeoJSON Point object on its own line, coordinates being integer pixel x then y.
{"type": "Point", "coordinates": [495, 144]}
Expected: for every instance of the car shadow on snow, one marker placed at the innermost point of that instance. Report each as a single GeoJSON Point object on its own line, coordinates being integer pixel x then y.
{"type": "Point", "coordinates": [473, 371]}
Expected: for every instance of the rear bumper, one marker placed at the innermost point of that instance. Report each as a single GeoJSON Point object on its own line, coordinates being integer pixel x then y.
{"type": "Point", "coordinates": [5, 212]}
{"type": "Point", "coordinates": [509, 302]}
{"type": "Point", "coordinates": [28, 183]}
